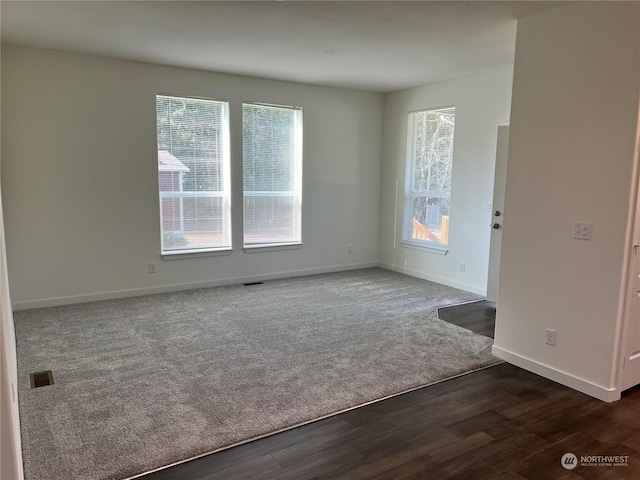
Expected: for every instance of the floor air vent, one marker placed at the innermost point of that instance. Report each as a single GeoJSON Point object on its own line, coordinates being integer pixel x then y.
{"type": "Point", "coordinates": [41, 379]}
{"type": "Point", "coordinates": [249, 284]}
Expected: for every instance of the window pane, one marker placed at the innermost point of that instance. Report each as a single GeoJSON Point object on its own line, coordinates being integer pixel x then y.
{"type": "Point", "coordinates": [433, 154]}
{"type": "Point", "coordinates": [272, 174]}
{"type": "Point", "coordinates": [193, 170]}
{"type": "Point", "coordinates": [271, 219]}
{"type": "Point", "coordinates": [430, 220]}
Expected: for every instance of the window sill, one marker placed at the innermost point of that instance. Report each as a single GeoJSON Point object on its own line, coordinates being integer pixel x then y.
{"type": "Point", "coordinates": [271, 247]}
{"type": "Point", "coordinates": [195, 254]}
{"type": "Point", "coordinates": [435, 249]}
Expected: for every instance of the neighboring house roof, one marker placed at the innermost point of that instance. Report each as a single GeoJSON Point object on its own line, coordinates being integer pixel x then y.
{"type": "Point", "coordinates": [169, 163]}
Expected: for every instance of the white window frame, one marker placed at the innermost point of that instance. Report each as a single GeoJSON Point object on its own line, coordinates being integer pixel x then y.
{"type": "Point", "coordinates": [225, 194]}
{"type": "Point", "coordinates": [410, 195]}
{"type": "Point", "coordinates": [295, 193]}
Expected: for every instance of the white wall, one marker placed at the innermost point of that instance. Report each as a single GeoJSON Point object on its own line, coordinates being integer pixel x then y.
{"type": "Point", "coordinates": [79, 177]}
{"type": "Point", "coordinates": [482, 103]}
{"type": "Point", "coordinates": [571, 151]}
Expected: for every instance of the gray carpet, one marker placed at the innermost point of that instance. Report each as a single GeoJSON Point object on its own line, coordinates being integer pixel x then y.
{"type": "Point", "coordinates": [144, 382]}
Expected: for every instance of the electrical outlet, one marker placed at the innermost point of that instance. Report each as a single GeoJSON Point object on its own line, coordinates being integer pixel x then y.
{"type": "Point", "coordinates": [463, 266]}
{"type": "Point", "coordinates": [152, 268]}
{"type": "Point", "coordinates": [551, 337]}
{"type": "Point", "coordinates": [582, 231]}
{"type": "Point", "coordinates": [349, 249]}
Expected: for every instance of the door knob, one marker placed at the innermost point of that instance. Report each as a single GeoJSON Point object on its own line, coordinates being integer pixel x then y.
{"type": "Point", "coordinates": [496, 226]}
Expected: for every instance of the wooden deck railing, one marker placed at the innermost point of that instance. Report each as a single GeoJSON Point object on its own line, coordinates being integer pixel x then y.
{"type": "Point", "coordinates": [420, 232]}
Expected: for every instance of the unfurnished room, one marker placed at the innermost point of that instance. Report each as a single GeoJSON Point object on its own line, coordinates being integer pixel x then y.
{"type": "Point", "coordinates": [319, 240]}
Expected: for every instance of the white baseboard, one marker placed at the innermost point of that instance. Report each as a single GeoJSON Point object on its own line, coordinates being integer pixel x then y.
{"type": "Point", "coordinates": [136, 292]}
{"type": "Point", "coordinates": [435, 278]}
{"type": "Point", "coordinates": [564, 378]}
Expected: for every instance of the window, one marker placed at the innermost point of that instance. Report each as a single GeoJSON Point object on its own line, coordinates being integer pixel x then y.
{"type": "Point", "coordinates": [428, 181]}
{"type": "Point", "coordinates": [272, 174]}
{"type": "Point", "coordinates": [193, 174]}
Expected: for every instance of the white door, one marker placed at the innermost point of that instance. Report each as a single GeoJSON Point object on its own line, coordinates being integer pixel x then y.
{"type": "Point", "coordinates": [630, 374]}
{"type": "Point", "coordinates": [500, 179]}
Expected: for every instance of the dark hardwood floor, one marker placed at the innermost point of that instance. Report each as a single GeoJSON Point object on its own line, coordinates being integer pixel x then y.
{"type": "Point", "coordinates": [499, 423]}
{"type": "Point", "coordinates": [479, 317]}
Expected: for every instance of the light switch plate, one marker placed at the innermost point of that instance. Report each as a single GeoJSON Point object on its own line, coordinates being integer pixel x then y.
{"type": "Point", "coordinates": [582, 231]}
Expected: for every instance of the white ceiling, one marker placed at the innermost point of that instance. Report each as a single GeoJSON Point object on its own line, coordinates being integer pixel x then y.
{"type": "Point", "coordinates": [379, 45]}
